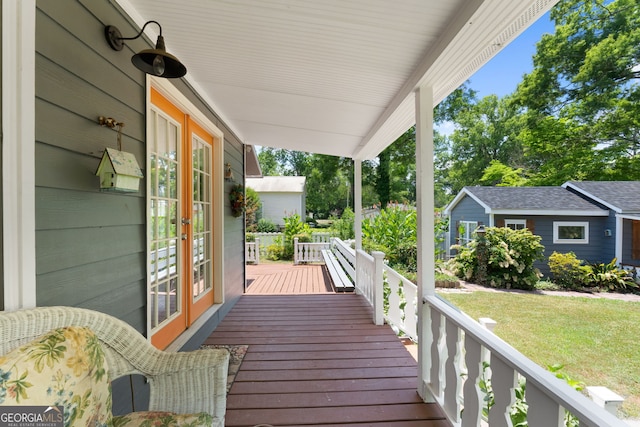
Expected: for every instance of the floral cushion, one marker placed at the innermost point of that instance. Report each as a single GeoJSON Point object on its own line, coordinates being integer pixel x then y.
{"type": "Point", "coordinates": [164, 419]}
{"type": "Point", "coordinates": [65, 367]}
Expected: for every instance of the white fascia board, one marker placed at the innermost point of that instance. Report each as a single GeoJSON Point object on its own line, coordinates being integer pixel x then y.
{"type": "Point", "coordinates": [631, 216]}
{"type": "Point", "coordinates": [591, 196]}
{"type": "Point", "coordinates": [460, 196]}
{"type": "Point", "coordinates": [598, 212]}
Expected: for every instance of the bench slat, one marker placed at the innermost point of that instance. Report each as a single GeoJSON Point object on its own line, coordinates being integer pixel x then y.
{"type": "Point", "coordinates": [340, 279]}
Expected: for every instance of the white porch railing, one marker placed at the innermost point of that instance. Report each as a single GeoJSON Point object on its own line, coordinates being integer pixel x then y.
{"type": "Point", "coordinates": [308, 252]}
{"type": "Point", "coordinates": [252, 251]}
{"type": "Point", "coordinates": [457, 346]}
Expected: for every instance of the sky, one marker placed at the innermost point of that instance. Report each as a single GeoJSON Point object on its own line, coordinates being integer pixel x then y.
{"type": "Point", "coordinates": [501, 75]}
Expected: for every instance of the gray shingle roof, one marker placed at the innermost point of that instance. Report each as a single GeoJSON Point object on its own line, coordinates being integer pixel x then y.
{"type": "Point", "coordinates": [530, 198]}
{"type": "Point", "coordinates": [623, 196]}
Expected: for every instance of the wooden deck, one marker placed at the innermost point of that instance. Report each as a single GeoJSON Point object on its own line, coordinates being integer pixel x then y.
{"type": "Point", "coordinates": [287, 279]}
{"type": "Point", "coordinates": [319, 360]}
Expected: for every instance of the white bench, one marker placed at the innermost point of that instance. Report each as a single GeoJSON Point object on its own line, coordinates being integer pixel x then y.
{"type": "Point", "coordinates": [341, 272]}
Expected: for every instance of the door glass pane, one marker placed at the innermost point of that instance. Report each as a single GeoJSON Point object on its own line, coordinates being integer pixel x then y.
{"type": "Point", "coordinates": [164, 208]}
{"type": "Point", "coordinates": [201, 209]}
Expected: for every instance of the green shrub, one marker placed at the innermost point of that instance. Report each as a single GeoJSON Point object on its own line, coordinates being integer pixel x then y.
{"type": "Point", "coordinates": [266, 226]}
{"type": "Point", "coordinates": [571, 273]}
{"type": "Point", "coordinates": [275, 252]}
{"type": "Point", "coordinates": [342, 228]}
{"type": "Point", "coordinates": [567, 270]}
{"type": "Point", "coordinates": [250, 237]}
{"type": "Point", "coordinates": [609, 277]}
{"type": "Point", "coordinates": [394, 233]}
{"type": "Point", "coordinates": [406, 255]}
{"type": "Point", "coordinates": [502, 259]}
{"type": "Point", "coordinates": [293, 226]}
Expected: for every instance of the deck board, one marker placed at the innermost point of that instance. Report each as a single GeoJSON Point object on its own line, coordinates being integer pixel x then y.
{"type": "Point", "coordinates": [273, 279]}
{"type": "Point", "coordinates": [318, 360]}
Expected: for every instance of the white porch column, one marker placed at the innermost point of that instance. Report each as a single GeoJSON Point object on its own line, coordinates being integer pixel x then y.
{"type": "Point", "coordinates": [619, 238]}
{"type": "Point", "coordinates": [357, 201]}
{"type": "Point", "coordinates": [426, 237]}
{"type": "Point", "coordinates": [18, 153]}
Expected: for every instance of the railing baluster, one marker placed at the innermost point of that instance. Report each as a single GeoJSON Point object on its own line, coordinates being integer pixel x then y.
{"type": "Point", "coordinates": [436, 361]}
{"type": "Point", "coordinates": [472, 413]}
{"type": "Point", "coordinates": [543, 411]}
{"type": "Point", "coordinates": [411, 309]}
{"type": "Point", "coordinates": [451, 405]}
{"type": "Point", "coordinates": [503, 382]}
{"type": "Point", "coordinates": [393, 312]}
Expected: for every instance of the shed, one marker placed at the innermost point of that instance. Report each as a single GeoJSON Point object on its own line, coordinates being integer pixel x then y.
{"type": "Point", "coordinates": [565, 221]}
{"type": "Point", "coordinates": [280, 196]}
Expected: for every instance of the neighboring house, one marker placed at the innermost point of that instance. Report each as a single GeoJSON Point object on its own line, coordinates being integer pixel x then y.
{"type": "Point", "coordinates": [622, 200]}
{"type": "Point", "coordinates": [280, 196]}
{"type": "Point", "coordinates": [598, 221]}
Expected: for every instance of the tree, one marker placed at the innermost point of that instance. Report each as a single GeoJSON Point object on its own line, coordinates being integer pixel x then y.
{"type": "Point", "coordinates": [585, 79]}
{"type": "Point", "coordinates": [501, 175]}
{"type": "Point", "coordinates": [268, 160]}
{"type": "Point", "coordinates": [486, 131]}
{"type": "Point", "coordinates": [252, 208]}
{"type": "Point", "coordinates": [383, 177]}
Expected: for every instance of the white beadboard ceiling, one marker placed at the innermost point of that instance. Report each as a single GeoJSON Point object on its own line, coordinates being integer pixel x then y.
{"type": "Point", "coordinates": [330, 76]}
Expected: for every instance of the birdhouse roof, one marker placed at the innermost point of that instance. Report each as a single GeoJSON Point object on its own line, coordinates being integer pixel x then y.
{"type": "Point", "coordinates": [122, 163]}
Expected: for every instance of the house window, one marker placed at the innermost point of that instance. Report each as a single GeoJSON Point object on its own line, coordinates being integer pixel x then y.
{"type": "Point", "coordinates": [515, 224]}
{"type": "Point", "coordinates": [465, 231]}
{"type": "Point", "coordinates": [570, 232]}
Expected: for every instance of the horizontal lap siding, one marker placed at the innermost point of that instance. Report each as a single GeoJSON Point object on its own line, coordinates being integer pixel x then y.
{"type": "Point", "coordinates": [466, 210]}
{"type": "Point", "coordinates": [90, 245]}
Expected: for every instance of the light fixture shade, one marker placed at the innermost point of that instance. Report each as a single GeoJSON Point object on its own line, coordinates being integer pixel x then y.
{"type": "Point", "coordinates": [157, 62]}
{"type": "Point", "coordinates": [148, 60]}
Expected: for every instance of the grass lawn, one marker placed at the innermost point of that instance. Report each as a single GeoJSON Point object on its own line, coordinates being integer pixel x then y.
{"type": "Point", "coordinates": [597, 340]}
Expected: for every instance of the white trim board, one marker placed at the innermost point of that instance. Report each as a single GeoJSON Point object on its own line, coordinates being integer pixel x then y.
{"type": "Point", "coordinates": [18, 153]}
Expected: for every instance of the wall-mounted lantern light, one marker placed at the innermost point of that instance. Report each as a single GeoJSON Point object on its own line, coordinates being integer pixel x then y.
{"type": "Point", "coordinates": [157, 62]}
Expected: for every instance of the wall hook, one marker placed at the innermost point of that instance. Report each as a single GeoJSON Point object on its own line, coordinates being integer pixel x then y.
{"type": "Point", "coordinates": [113, 123]}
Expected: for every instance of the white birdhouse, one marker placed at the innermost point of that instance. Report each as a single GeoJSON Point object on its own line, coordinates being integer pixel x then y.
{"type": "Point", "coordinates": [119, 171]}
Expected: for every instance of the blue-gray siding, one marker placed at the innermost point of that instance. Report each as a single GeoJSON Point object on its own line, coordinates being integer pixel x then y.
{"type": "Point", "coordinates": [601, 248]}
{"type": "Point", "coordinates": [90, 245]}
{"type": "Point", "coordinates": [467, 209]}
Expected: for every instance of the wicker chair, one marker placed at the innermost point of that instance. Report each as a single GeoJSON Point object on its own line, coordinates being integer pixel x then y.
{"type": "Point", "coordinates": [183, 382]}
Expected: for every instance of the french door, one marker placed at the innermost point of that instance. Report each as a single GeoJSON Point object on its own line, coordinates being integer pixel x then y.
{"type": "Point", "coordinates": [180, 158]}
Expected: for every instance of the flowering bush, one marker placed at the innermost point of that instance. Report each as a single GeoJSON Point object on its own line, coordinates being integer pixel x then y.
{"type": "Point", "coordinates": [502, 259]}
{"type": "Point", "coordinates": [236, 197]}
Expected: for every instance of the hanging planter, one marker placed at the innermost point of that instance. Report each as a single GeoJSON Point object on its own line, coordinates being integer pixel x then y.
{"type": "Point", "coordinates": [236, 197]}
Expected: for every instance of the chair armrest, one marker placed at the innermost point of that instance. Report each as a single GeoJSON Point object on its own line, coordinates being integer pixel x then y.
{"type": "Point", "coordinates": [189, 382]}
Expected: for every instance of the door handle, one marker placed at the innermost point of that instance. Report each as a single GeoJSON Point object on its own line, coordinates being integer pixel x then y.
{"type": "Point", "coordinates": [186, 221]}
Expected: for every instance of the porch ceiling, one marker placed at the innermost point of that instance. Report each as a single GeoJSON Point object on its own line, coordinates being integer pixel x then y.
{"type": "Point", "coordinates": [332, 76]}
